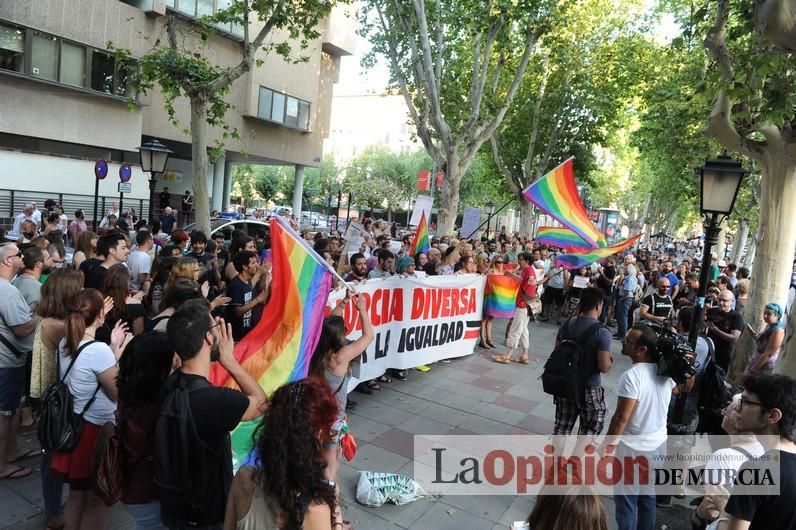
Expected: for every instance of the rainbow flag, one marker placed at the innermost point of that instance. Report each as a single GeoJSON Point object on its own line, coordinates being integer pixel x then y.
{"type": "Point", "coordinates": [421, 242]}
{"type": "Point", "coordinates": [557, 195]}
{"type": "Point", "coordinates": [500, 295]}
{"type": "Point", "coordinates": [583, 259]}
{"type": "Point", "coordinates": [562, 238]}
{"type": "Point", "coordinates": [278, 349]}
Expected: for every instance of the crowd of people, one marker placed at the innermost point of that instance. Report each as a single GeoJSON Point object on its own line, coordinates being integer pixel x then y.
{"type": "Point", "coordinates": [135, 320]}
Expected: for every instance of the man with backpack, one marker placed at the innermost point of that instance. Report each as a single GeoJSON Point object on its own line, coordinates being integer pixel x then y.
{"type": "Point", "coordinates": [193, 456]}
{"type": "Point", "coordinates": [658, 306]}
{"type": "Point", "coordinates": [587, 344]}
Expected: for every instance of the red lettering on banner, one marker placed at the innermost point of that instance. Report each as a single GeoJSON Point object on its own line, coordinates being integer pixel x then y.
{"type": "Point", "coordinates": [417, 303]}
{"type": "Point", "coordinates": [455, 301]}
{"type": "Point", "coordinates": [385, 305]}
{"type": "Point", "coordinates": [375, 317]}
{"type": "Point", "coordinates": [436, 303]}
{"type": "Point", "coordinates": [471, 307]}
{"type": "Point", "coordinates": [397, 306]}
{"type": "Point", "coordinates": [447, 310]}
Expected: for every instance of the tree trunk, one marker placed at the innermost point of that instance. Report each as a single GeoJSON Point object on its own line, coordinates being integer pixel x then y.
{"type": "Point", "coordinates": [526, 219]}
{"type": "Point", "coordinates": [741, 237]}
{"type": "Point", "coordinates": [749, 257]}
{"type": "Point", "coordinates": [775, 246]}
{"type": "Point", "coordinates": [449, 207]}
{"type": "Point", "coordinates": [199, 127]}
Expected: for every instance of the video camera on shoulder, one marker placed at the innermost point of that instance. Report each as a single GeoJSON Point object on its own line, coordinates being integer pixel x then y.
{"type": "Point", "coordinates": [676, 358]}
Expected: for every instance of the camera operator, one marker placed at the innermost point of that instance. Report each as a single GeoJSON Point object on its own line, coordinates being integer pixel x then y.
{"type": "Point", "coordinates": [683, 416]}
{"type": "Point", "coordinates": [658, 306]}
{"type": "Point", "coordinates": [640, 411]}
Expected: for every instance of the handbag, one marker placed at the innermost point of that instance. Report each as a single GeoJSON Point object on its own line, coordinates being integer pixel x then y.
{"type": "Point", "coordinates": [111, 474]}
{"type": "Point", "coordinates": [59, 426]}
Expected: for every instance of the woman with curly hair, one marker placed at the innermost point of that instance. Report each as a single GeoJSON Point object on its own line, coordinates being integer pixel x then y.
{"type": "Point", "coordinates": [288, 489]}
{"type": "Point", "coordinates": [146, 363]}
{"type": "Point", "coordinates": [85, 248]}
{"type": "Point", "coordinates": [332, 360]}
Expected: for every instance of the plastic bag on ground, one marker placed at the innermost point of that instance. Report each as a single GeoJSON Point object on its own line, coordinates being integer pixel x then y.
{"type": "Point", "coordinates": [374, 489]}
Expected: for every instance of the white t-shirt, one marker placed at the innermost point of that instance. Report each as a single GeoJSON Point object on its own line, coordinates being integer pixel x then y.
{"type": "Point", "coordinates": [83, 380]}
{"type": "Point", "coordinates": [652, 393]}
{"type": "Point", "coordinates": [138, 262]}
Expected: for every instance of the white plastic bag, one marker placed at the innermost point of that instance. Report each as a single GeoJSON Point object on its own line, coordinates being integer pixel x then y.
{"type": "Point", "coordinates": [374, 489]}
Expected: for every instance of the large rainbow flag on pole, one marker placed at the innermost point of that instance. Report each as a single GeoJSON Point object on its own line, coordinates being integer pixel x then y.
{"type": "Point", "coordinates": [278, 349]}
{"type": "Point", "coordinates": [557, 195]}
{"type": "Point", "coordinates": [562, 238]}
{"type": "Point", "coordinates": [421, 242]}
{"type": "Point", "coordinates": [500, 295]}
{"type": "Point", "coordinates": [583, 259]}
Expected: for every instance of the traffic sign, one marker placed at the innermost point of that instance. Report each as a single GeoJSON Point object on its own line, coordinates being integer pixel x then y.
{"type": "Point", "coordinates": [125, 187]}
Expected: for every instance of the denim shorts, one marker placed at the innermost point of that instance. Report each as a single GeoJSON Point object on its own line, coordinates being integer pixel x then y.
{"type": "Point", "coordinates": [12, 388]}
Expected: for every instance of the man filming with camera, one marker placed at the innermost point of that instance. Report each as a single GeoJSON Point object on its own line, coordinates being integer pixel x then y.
{"type": "Point", "coordinates": [641, 411]}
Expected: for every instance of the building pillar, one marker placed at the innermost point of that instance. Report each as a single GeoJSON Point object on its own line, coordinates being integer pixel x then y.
{"type": "Point", "coordinates": [298, 191]}
{"type": "Point", "coordinates": [218, 184]}
{"type": "Point", "coordinates": [227, 191]}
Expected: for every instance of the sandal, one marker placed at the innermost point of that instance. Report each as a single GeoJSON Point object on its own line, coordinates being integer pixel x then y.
{"type": "Point", "coordinates": [373, 385]}
{"type": "Point", "coordinates": [484, 345]}
{"type": "Point", "coordinates": [20, 472]}
{"type": "Point", "coordinates": [384, 379]}
{"type": "Point", "coordinates": [521, 360]}
{"type": "Point", "coordinates": [502, 359]}
{"type": "Point", "coordinates": [30, 453]}
{"type": "Point", "coordinates": [491, 344]}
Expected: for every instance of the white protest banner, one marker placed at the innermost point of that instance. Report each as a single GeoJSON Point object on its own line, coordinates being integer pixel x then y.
{"type": "Point", "coordinates": [416, 321]}
{"type": "Point", "coordinates": [470, 222]}
{"type": "Point", "coordinates": [422, 204]}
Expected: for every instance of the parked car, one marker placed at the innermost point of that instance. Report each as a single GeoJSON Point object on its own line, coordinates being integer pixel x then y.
{"type": "Point", "coordinates": [226, 226]}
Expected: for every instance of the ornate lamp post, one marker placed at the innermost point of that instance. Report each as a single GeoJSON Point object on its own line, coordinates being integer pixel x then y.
{"type": "Point", "coordinates": [154, 156]}
{"type": "Point", "coordinates": [720, 180]}
{"type": "Point", "coordinates": [490, 211]}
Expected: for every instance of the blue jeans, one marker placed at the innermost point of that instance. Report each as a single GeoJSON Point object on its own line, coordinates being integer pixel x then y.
{"type": "Point", "coordinates": [622, 310]}
{"type": "Point", "coordinates": [51, 490]}
{"type": "Point", "coordinates": [147, 516]}
{"type": "Point", "coordinates": [635, 504]}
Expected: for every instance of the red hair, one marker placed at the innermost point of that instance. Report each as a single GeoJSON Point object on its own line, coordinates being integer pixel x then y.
{"type": "Point", "coordinates": [85, 312]}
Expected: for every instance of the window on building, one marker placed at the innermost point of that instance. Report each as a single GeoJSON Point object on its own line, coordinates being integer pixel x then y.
{"type": "Point", "coordinates": [291, 112]}
{"type": "Point", "coordinates": [44, 57]}
{"type": "Point", "coordinates": [12, 48]}
{"type": "Point", "coordinates": [264, 105]}
{"type": "Point", "coordinates": [204, 8]}
{"type": "Point", "coordinates": [304, 116]}
{"type": "Point", "coordinates": [73, 64]}
{"type": "Point", "coordinates": [187, 6]}
{"type": "Point", "coordinates": [102, 70]}
{"type": "Point", "coordinates": [123, 80]}
{"type": "Point", "coordinates": [278, 108]}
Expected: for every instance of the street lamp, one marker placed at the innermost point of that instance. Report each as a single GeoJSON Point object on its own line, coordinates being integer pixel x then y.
{"type": "Point", "coordinates": [720, 180]}
{"type": "Point", "coordinates": [154, 156]}
{"type": "Point", "coordinates": [490, 211]}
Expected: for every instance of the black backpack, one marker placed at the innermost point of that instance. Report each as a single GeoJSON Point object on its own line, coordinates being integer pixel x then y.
{"type": "Point", "coordinates": [59, 425]}
{"type": "Point", "coordinates": [563, 374]}
{"type": "Point", "coordinates": [716, 391]}
{"type": "Point", "coordinates": [181, 457]}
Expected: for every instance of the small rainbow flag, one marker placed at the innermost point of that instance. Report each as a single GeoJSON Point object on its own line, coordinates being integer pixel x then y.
{"type": "Point", "coordinates": [562, 238]}
{"type": "Point", "coordinates": [583, 259]}
{"type": "Point", "coordinates": [557, 195]}
{"type": "Point", "coordinates": [500, 295]}
{"type": "Point", "coordinates": [421, 242]}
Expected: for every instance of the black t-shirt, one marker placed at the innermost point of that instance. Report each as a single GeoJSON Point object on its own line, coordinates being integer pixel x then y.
{"type": "Point", "coordinates": [768, 510]}
{"type": "Point", "coordinates": [205, 266]}
{"type": "Point", "coordinates": [659, 306]}
{"type": "Point", "coordinates": [129, 315]}
{"type": "Point", "coordinates": [96, 278]}
{"type": "Point", "coordinates": [430, 268]}
{"type": "Point", "coordinates": [216, 412]}
{"type": "Point", "coordinates": [726, 322]}
{"type": "Point", "coordinates": [610, 273]}
{"type": "Point", "coordinates": [241, 294]}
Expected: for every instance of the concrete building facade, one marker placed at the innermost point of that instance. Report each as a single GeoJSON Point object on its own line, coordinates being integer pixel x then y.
{"type": "Point", "coordinates": [64, 99]}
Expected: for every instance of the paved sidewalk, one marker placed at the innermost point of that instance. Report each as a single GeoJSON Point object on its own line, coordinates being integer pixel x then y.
{"type": "Point", "coordinates": [470, 395]}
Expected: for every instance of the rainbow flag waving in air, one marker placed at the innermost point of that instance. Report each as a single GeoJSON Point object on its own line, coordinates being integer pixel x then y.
{"type": "Point", "coordinates": [557, 195]}
{"type": "Point", "coordinates": [421, 242]}
{"type": "Point", "coordinates": [278, 349]}
{"type": "Point", "coordinates": [584, 259]}
{"type": "Point", "coordinates": [562, 238]}
{"type": "Point", "coordinates": [500, 295]}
